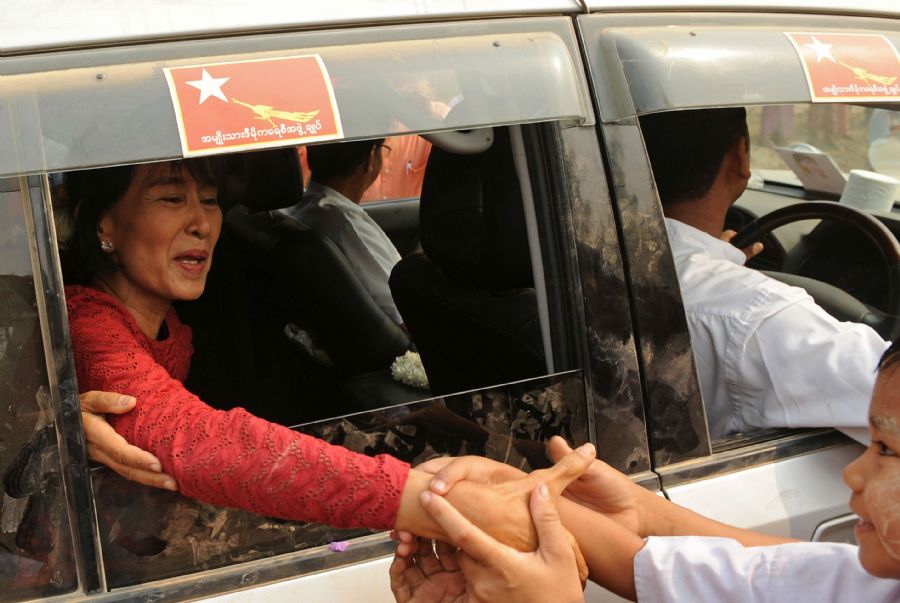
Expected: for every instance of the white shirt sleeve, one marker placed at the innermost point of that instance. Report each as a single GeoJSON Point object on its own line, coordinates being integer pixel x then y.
{"type": "Point", "coordinates": [819, 371]}
{"type": "Point", "coordinates": [369, 251]}
{"type": "Point", "coordinates": [366, 259]}
{"type": "Point", "coordinates": [702, 569]}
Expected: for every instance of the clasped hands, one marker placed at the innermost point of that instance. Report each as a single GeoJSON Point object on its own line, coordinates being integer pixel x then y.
{"type": "Point", "coordinates": [479, 564]}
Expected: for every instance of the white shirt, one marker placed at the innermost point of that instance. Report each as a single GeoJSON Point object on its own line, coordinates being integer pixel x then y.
{"type": "Point", "coordinates": [367, 248]}
{"type": "Point", "coordinates": [703, 569]}
{"type": "Point", "coordinates": [766, 354]}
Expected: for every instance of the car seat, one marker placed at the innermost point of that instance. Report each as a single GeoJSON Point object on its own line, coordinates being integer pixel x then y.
{"type": "Point", "coordinates": [469, 300]}
{"type": "Point", "coordinates": [318, 291]}
{"type": "Point", "coordinates": [234, 359]}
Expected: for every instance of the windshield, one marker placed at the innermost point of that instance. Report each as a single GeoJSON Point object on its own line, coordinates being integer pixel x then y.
{"type": "Point", "coordinates": [814, 148]}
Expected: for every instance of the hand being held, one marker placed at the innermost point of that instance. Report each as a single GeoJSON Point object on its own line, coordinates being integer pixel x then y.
{"type": "Point", "coordinates": [502, 509]}
{"type": "Point", "coordinates": [492, 570]}
{"type": "Point", "coordinates": [448, 470]}
{"type": "Point", "coordinates": [106, 446]}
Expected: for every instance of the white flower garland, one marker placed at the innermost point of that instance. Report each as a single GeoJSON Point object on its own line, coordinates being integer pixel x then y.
{"type": "Point", "coordinates": [408, 369]}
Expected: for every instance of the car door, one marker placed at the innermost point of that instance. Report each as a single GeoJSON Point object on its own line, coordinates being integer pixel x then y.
{"type": "Point", "coordinates": [523, 77]}
{"type": "Point", "coordinates": [781, 481]}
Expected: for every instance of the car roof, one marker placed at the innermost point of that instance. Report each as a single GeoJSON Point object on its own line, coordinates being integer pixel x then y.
{"type": "Point", "coordinates": [40, 25]}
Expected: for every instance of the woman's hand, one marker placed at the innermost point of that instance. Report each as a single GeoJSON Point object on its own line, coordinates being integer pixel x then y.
{"type": "Point", "coordinates": [601, 488]}
{"type": "Point", "coordinates": [106, 446]}
{"type": "Point", "coordinates": [494, 571]}
{"type": "Point", "coordinates": [502, 509]}
{"type": "Point", "coordinates": [447, 470]}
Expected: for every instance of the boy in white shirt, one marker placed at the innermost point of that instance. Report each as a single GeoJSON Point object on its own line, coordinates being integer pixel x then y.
{"type": "Point", "coordinates": [646, 548]}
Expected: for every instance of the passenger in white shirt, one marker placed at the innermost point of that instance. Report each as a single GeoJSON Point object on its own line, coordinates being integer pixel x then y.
{"type": "Point", "coordinates": [340, 174]}
{"type": "Point", "coordinates": [767, 355]}
{"type": "Point", "coordinates": [646, 548]}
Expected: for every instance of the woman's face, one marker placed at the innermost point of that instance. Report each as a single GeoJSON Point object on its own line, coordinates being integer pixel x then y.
{"type": "Point", "coordinates": [874, 479]}
{"type": "Point", "coordinates": [163, 231]}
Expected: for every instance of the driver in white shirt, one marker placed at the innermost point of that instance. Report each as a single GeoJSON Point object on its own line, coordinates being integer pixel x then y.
{"type": "Point", "coordinates": [340, 174]}
{"type": "Point", "coordinates": [766, 354]}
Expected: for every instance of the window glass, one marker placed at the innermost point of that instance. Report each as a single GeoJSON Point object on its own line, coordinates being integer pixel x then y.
{"type": "Point", "coordinates": [171, 535]}
{"type": "Point", "coordinates": [36, 557]}
{"type": "Point", "coordinates": [286, 330]}
{"type": "Point", "coordinates": [89, 112]}
{"type": "Point", "coordinates": [793, 143]}
{"type": "Point", "coordinates": [401, 177]}
{"type": "Point", "coordinates": [404, 159]}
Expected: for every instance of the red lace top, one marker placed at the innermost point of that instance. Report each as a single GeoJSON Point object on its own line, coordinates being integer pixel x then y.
{"type": "Point", "coordinates": [225, 458]}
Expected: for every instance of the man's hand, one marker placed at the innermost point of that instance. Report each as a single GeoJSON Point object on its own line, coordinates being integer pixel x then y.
{"type": "Point", "coordinates": [749, 251]}
{"type": "Point", "coordinates": [496, 572]}
{"type": "Point", "coordinates": [106, 446]}
{"type": "Point", "coordinates": [605, 490]}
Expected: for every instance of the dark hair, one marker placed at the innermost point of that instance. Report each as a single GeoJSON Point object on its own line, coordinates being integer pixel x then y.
{"type": "Point", "coordinates": [339, 160]}
{"type": "Point", "coordinates": [89, 193]}
{"type": "Point", "coordinates": [686, 148]}
{"type": "Point", "coordinates": [890, 357]}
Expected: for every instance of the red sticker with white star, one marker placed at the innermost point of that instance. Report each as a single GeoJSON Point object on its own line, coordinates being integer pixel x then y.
{"type": "Point", "coordinates": [226, 107]}
{"type": "Point", "coordinates": [842, 67]}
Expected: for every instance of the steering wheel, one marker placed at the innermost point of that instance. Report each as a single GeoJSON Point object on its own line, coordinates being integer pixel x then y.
{"type": "Point", "coordinates": [836, 302]}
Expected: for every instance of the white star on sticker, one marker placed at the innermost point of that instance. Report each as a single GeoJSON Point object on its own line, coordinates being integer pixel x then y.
{"type": "Point", "coordinates": [823, 51]}
{"type": "Point", "coordinates": [209, 86]}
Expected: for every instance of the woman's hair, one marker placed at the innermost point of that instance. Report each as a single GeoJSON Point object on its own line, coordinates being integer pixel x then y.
{"type": "Point", "coordinates": [89, 193]}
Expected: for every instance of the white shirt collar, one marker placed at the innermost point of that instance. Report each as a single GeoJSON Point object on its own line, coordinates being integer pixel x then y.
{"type": "Point", "coordinates": [321, 195]}
{"type": "Point", "coordinates": [327, 195]}
{"type": "Point", "coordinates": [685, 239]}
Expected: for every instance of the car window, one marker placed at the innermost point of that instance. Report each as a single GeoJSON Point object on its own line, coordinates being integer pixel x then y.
{"type": "Point", "coordinates": [271, 335]}
{"type": "Point", "coordinates": [499, 323]}
{"type": "Point", "coordinates": [404, 157]}
{"type": "Point", "coordinates": [667, 62]}
{"type": "Point", "coordinates": [821, 144]}
{"type": "Point", "coordinates": [376, 75]}
{"type": "Point", "coordinates": [37, 547]}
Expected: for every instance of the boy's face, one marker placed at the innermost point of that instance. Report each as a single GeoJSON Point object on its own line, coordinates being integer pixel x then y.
{"type": "Point", "coordinates": [874, 479]}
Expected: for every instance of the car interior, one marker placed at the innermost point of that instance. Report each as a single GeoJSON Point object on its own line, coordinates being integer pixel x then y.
{"type": "Point", "coordinates": [286, 330]}
{"type": "Point", "coordinates": [846, 262]}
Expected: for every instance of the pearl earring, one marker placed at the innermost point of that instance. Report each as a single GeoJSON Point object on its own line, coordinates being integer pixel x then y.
{"type": "Point", "coordinates": [106, 246]}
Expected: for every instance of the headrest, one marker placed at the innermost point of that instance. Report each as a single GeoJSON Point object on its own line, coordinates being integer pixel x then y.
{"type": "Point", "coordinates": [471, 218]}
{"type": "Point", "coordinates": [261, 180]}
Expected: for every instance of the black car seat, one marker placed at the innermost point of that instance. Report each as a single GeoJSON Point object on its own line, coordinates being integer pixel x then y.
{"type": "Point", "coordinates": [234, 361]}
{"type": "Point", "coordinates": [468, 299]}
{"type": "Point", "coordinates": [318, 291]}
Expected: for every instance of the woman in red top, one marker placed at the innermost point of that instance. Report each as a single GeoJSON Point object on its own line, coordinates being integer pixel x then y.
{"type": "Point", "coordinates": [144, 237]}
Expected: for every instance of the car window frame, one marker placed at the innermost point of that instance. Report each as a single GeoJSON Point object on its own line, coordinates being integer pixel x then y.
{"type": "Point", "coordinates": [82, 499]}
{"type": "Point", "coordinates": [643, 231]}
